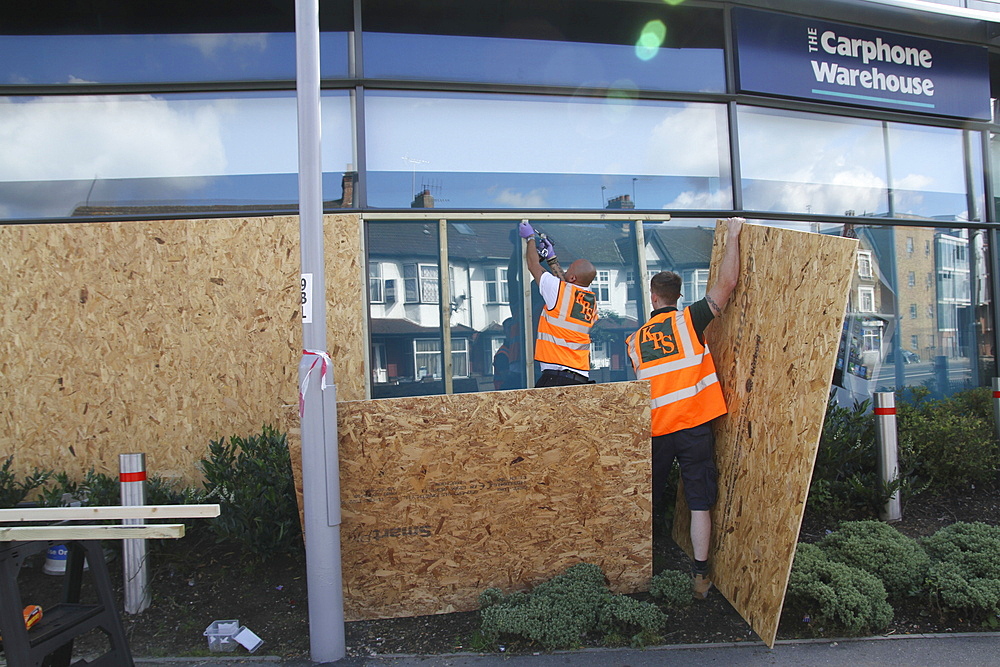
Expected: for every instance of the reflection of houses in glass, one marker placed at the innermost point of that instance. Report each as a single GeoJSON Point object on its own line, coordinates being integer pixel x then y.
{"type": "Point", "coordinates": [483, 280]}
{"type": "Point", "coordinates": [954, 295]}
{"type": "Point", "coordinates": [686, 251]}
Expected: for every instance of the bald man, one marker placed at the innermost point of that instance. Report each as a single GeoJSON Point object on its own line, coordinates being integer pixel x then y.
{"type": "Point", "coordinates": [562, 346]}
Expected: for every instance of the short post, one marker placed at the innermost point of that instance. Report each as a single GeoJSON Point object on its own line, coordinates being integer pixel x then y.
{"type": "Point", "coordinates": [996, 405]}
{"type": "Point", "coordinates": [888, 451]}
{"type": "Point", "coordinates": [132, 479]}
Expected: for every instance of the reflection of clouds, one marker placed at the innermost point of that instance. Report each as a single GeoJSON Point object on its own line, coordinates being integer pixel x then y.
{"type": "Point", "coordinates": [693, 199]}
{"type": "Point", "coordinates": [685, 142]}
{"type": "Point", "coordinates": [76, 79]}
{"type": "Point", "coordinates": [110, 137]}
{"type": "Point", "coordinates": [510, 198]}
{"type": "Point", "coordinates": [810, 164]}
{"type": "Point", "coordinates": [214, 45]}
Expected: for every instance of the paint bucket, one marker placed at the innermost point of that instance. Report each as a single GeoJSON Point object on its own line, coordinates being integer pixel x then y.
{"type": "Point", "coordinates": [55, 559]}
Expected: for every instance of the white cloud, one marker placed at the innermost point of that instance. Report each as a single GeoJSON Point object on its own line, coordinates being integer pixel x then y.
{"type": "Point", "coordinates": [719, 199]}
{"type": "Point", "coordinates": [109, 137]}
{"type": "Point", "coordinates": [215, 45]}
{"type": "Point", "coordinates": [533, 199]}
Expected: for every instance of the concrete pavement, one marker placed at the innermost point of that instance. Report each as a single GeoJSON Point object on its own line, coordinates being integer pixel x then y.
{"type": "Point", "coordinates": [979, 649]}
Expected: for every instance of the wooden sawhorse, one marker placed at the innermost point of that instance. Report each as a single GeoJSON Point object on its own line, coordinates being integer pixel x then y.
{"type": "Point", "coordinates": [50, 642]}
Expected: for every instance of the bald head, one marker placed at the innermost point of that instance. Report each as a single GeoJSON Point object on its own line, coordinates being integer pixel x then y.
{"type": "Point", "coordinates": [581, 272]}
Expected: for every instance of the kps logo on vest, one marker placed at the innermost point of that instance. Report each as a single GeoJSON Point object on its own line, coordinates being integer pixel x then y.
{"type": "Point", "coordinates": [658, 341]}
{"type": "Point", "coordinates": [584, 307]}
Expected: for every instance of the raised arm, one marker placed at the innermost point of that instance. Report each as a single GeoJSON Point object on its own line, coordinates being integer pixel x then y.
{"type": "Point", "coordinates": [729, 269]}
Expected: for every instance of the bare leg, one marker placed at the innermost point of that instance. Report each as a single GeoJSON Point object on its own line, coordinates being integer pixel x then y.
{"type": "Point", "coordinates": [701, 533]}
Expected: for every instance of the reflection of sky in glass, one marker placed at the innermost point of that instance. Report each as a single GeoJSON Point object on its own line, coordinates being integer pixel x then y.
{"type": "Point", "coordinates": [817, 164]}
{"type": "Point", "coordinates": [55, 59]}
{"type": "Point", "coordinates": [540, 62]}
{"type": "Point", "coordinates": [811, 163]}
{"type": "Point", "coordinates": [59, 152]}
{"type": "Point", "coordinates": [928, 172]}
{"type": "Point", "coordinates": [512, 151]}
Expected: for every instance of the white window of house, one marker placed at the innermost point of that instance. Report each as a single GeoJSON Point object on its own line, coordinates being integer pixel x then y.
{"type": "Point", "coordinates": [421, 282]}
{"type": "Point", "coordinates": [599, 357]}
{"type": "Point", "coordinates": [426, 358]}
{"type": "Point", "coordinates": [866, 299]}
{"type": "Point", "coordinates": [602, 286]}
{"type": "Point", "coordinates": [496, 285]}
{"type": "Point", "coordinates": [915, 341]}
{"type": "Point", "coordinates": [865, 263]}
{"type": "Point", "coordinates": [911, 279]}
{"type": "Point", "coordinates": [909, 244]}
{"type": "Point", "coordinates": [913, 311]}
{"type": "Point", "coordinates": [460, 357]}
{"type": "Point", "coordinates": [376, 291]}
{"type": "Point", "coordinates": [699, 281]}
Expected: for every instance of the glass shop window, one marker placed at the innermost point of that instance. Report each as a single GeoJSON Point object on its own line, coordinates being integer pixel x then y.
{"type": "Point", "coordinates": [619, 46]}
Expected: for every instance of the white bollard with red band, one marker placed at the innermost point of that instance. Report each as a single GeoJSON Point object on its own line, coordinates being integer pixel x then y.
{"type": "Point", "coordinates": [996, 405]}
{"type": "Point", "coordinates": [888, 451]}
{"type": "Point", "coordinates": [132, 479]}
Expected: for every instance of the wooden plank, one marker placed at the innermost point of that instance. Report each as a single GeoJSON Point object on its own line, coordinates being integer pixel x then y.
{"type": "Point", "coordinates": [40, 533]}
{"type": "Point", "coordinates": [112, 512]}
{"type": "Point", "coordinates": [774, 350]}
{"type": "Point", "coordinates": [445, 496]}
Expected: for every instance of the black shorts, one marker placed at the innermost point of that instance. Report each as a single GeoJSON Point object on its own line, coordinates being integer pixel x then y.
{"type": "Point", "coordinates": [563, 378]}
{"type": "Point", "coordinates": [694, 450]}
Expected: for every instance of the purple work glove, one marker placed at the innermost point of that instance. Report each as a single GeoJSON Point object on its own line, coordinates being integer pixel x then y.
{"type": "Point", "coordinates": [525, 230]}
{"type": "Point", "coordinates": [545, 249]}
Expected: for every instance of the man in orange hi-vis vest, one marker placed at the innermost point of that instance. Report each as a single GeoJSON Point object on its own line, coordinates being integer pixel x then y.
{"type": "Point", "coordinates": [562, 346]}
{"type": "Point", "coordinates": [670, 351]}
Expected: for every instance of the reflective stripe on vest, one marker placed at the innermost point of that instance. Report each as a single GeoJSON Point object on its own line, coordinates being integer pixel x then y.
{"type": "Point", "coordinates": [684, 387]}
{"type": "Point", "coordinates": [564, 330]}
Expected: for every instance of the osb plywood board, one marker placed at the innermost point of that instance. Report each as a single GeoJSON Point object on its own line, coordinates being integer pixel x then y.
{"type": "Point", "coordinates": [157, 337]}
{"type": "Point", "coordinates": [774, 349]}
{"type": "Point", "coordinates": [445, 496]}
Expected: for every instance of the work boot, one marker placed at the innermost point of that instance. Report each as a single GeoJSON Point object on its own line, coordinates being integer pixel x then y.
{"type": "Point", "coordinates": [700, 585]}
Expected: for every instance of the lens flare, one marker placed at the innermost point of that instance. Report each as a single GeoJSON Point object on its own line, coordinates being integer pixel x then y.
{"type": "Point", "coordinates": [650, 39]}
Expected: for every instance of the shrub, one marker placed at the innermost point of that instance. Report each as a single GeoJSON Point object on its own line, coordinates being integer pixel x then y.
{"type": "Point", "coordinates": [251, 479]}
{"type": "Point", "coordinates": [560, 611]}
{"type": "Point", "coordinates": [845, 482]}
{"type": "Point", "coordinates": [837, 595]}
{"type": "Point", "coordinates": [878, 548]}
{"type": "Point", "coordinates": [949, 444]}
{"type": "Point", "coordinates": [13, 491]}
{"type": "Point", "coordinates": [95, 489]}
{"type": "Point", "coordinates": [965, 569]}
{"type": "Point", "coordinates": [672, 587]}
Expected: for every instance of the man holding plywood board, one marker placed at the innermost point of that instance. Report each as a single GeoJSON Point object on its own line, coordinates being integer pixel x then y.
{"type": "Point", "coordinates": [775, 353]}
{"type": "Point", "coordinates": [670, 351]}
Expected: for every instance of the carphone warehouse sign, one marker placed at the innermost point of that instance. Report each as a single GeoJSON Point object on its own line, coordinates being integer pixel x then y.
{"type": "Point", "coordinates": [812, 59]}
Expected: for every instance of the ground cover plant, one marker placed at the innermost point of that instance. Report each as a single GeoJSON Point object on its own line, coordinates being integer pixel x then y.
{"type": "Point", "coordinates": [207, 576]}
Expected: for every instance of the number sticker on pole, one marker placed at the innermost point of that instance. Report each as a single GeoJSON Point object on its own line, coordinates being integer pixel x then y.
{"type": "Point", "coordinates": [307, 308]}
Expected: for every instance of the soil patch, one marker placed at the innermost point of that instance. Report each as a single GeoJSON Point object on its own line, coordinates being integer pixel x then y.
{"type": "Point", "coordinates": [195, 581]}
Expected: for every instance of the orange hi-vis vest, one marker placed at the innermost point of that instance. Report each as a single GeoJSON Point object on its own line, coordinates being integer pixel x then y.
{"type": "Point", "coordinates": [564, 331]}
{"type": "Point", "coordinates": [684, 388]}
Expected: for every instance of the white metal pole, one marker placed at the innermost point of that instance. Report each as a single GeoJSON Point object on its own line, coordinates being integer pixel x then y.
{"type": "Point", "coordinates": [888, 450]}
{"type": "Point", "coordinates": [318, 408]}
{"type": "Point", "coordinates": [132, 480]}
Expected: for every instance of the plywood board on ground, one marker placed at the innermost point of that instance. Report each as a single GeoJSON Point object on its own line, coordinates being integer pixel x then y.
{"type": "Point", "coordinates": [774, 349]}
{"type": "Point", "coordinates": [445, 496]}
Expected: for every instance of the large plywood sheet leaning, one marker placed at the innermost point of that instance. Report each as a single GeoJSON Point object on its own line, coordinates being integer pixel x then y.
{"type": "Point", "coordinates": [445, 496]}
{"type": "Point", "coordinates": [774, 349]}
{"type": "Point", "coordinates": [160, 336]}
